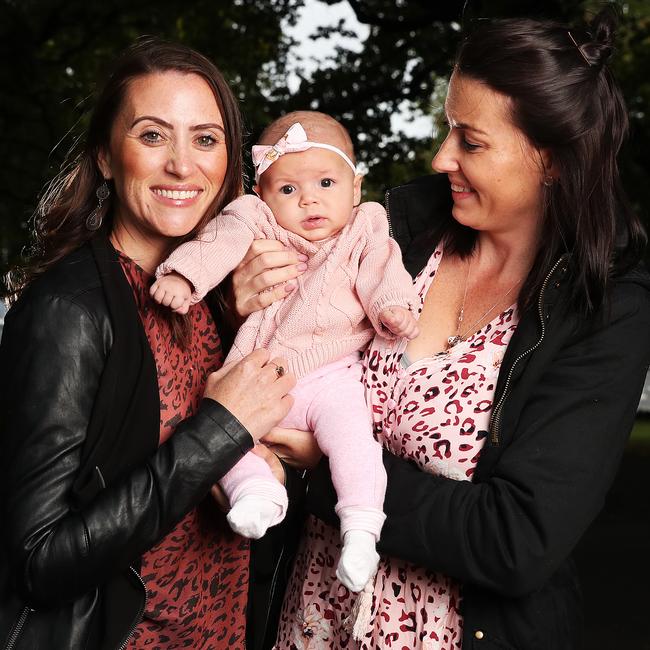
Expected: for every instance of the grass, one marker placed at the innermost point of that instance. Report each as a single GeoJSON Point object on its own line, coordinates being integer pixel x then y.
{"type": "Point", "coordinates": [641, 431]}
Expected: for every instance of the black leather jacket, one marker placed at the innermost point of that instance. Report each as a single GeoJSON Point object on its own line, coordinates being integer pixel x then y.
{"type": "Point", "coordinates": [565, 403]}
{"type": "Point", "coordinates": [68, 566]}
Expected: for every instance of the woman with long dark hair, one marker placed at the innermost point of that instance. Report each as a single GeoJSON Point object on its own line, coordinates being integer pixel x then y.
{"type": "Point", "coordinates": [115, 423]}
{"type": "Point", "coordinates": [504, 421]}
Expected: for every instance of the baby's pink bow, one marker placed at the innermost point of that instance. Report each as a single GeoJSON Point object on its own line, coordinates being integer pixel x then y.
{"type": "Point", "coordinates": [293, 141]}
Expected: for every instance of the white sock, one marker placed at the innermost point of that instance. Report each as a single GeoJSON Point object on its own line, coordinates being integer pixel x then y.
{"type": "Point", "coordinates": [359, 559]}
{"type": "Point", "coordinates": [252, 515]}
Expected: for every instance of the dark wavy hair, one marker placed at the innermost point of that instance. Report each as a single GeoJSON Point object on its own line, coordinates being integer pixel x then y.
{"type": "Point", "coordinates": [564, 99]}
{"type": "Point", "coordinates": [59, 224]}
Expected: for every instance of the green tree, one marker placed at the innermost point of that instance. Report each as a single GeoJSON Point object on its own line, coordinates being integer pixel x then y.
{"type": "Point", "coordinates": [54, 51]}
{"type": "Point", "coordinates": [408, 55]}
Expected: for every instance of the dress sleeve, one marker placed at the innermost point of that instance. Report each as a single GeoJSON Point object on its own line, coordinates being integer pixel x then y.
{"type": "Point", "coordinates": [382, 280]}
{"type": "Point", "coordinates": [510, 531]}
{"type": "Point", "coordinates": [53, 352]}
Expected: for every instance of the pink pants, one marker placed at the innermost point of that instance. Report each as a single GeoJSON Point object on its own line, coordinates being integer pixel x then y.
{"type": "Point", "coordinates": [330, 402]}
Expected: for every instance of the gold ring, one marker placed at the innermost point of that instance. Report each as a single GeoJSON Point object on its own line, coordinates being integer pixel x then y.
{"type": "Point", "coordinates": [279, 370]}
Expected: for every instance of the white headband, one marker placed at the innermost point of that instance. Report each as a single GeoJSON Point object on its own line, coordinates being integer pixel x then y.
{"type": "Point", "coordinates": [293, 141]}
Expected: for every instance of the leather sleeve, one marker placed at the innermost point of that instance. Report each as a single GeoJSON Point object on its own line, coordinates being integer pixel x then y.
{"type": "Point", "coordinates": [53, 352]}
{"type": "Point", "coordinates": [509, 532]}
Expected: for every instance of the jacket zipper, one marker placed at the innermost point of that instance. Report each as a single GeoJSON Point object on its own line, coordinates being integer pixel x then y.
{"type": "Point", "coordinates": [496, 412]}
{"type": "Point", "coordinates": [20, 623]}
{"type": "Point", "coordinates": [274, 584]}
{"type": "Point", "coordinates": [390, 225]}
{"type": "Point", "coordinates": [140, 612]}
{"type": "Point", "coordinates": [137, 575]}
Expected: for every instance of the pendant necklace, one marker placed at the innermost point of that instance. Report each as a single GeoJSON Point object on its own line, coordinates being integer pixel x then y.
{"type": "Point", "coordinates": [458, 337]}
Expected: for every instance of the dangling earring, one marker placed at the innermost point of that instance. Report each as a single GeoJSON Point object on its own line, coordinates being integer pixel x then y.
{"type": "Point", "coordinates": [94, 219]}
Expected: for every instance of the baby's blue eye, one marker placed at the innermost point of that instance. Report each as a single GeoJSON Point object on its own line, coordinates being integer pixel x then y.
{"type": "Point", "coordinates": [326, 182]}
{"type": "Point", "coordinates": [287, 189]}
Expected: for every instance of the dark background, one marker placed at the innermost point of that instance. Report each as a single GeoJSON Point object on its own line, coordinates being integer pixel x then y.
{"type": "Point", "coordinates": [52, 53]}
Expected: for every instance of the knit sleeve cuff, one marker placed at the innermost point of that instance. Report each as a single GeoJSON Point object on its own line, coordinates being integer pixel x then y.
{"type": "Point", "coordinates": [392, 299]}
{"type": "Point", "coordinates": [191, 272]}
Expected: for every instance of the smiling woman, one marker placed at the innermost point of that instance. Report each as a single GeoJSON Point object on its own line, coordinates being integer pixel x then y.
{"type": "Point", "coordinates": [496, 175]}
{"type": "Point", "coordinates": [503, 420]}
{"type": "Point", "coordinates": [167, 159]}
{"type": "Point", "coordinates": [111, 539]}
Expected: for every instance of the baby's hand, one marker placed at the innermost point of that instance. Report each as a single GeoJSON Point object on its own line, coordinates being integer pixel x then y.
{"type": "Point", "coordinates": [172, 291]}
{"type": "Point", "coordinates": [399, 321]}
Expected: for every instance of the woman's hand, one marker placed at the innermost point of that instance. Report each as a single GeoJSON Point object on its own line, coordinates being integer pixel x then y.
{"type": "Point", "coordinates": [295, 447]}
{"type": "Point", "coordinates": [254, 391]}
{"type": "Point", "coordinates": [265, 275]}
{"type": "Point", "coordinates": [220, 497]}
{"type": "Point", "coordinates": [272, 460]}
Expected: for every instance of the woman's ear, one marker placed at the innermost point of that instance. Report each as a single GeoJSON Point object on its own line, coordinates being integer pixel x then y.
{"type": "Point", "coordinates": [549, 170]}
{"type": "Point", "coordinates": [358, 179]}
{"type": "Point", "coordinates": [104, 164]}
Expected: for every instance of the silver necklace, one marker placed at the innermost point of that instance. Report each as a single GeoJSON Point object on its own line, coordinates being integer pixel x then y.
{"type": "Point", "coordinates": [458, 337]}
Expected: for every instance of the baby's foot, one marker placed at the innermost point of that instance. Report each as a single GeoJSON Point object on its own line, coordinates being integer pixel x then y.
{"type": "Point", "coordinates": [359, 560]}
{"type": "Point", "coordinates": [252, 515]}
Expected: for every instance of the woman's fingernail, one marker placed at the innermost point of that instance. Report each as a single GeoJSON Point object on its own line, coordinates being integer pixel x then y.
{"type": "Point", "coordinates": [302, 257]}
{"type": "Point", "coordinates": [302, 266]}
{"type": "Point", "coordinates": [289, 286]}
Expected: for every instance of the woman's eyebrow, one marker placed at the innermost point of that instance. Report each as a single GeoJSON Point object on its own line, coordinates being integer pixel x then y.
{"type": "Point", "coordinates": [153, 118]}
{"type": "Point", "coordinates": [208, 125]}
{"type": "Point", "coordinates": [468, 127]}
{"type": "Point", "coordinates": [167, 125]}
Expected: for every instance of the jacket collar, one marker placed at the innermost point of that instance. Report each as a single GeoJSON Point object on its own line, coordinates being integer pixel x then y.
{"type": "Point", "coordinates": [418, 213]}
{"type": "Point", "coordinates": [533, 325]}
{"type": "Point", "coordinates": [127, 399]}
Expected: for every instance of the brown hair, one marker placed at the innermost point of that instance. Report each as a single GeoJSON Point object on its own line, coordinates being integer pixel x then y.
{"type": "Point", "coordinates": [59, 224]}
{"type": "Point", "coordinates": [564, 99]}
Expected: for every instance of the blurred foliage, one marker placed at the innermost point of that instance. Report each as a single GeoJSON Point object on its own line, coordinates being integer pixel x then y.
{"type": "Point", "coordinates": [55, 50]}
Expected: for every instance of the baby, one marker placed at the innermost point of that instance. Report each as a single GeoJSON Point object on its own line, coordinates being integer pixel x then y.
{"type": "Point", "coordinates": [355, 284]}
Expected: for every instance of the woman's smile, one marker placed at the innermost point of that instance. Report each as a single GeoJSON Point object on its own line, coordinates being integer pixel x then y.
{"type": "Point", "coordinates": [178, 196]}
{"type": "Point", "coordinates": [460, 191]}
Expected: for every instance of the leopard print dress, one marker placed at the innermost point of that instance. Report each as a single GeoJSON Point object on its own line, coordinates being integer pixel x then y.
{"type": "Point", "coordinates": [197, 576]}
{"type": "Point", "coordinates": [434, 412]}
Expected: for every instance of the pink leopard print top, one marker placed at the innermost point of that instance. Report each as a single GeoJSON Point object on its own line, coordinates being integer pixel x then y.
{"type": "Point", "coordinates": [434, 412]}
{"type": "Point", "coordinates": [197, 576]}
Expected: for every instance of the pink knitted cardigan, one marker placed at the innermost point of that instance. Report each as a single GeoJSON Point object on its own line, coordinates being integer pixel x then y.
{"type": "Point", "coordinates": [350, 279]}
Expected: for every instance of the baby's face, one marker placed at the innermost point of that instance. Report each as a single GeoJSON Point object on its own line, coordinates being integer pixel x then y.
{"type": "Point", "coordinates": [311, 193]}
